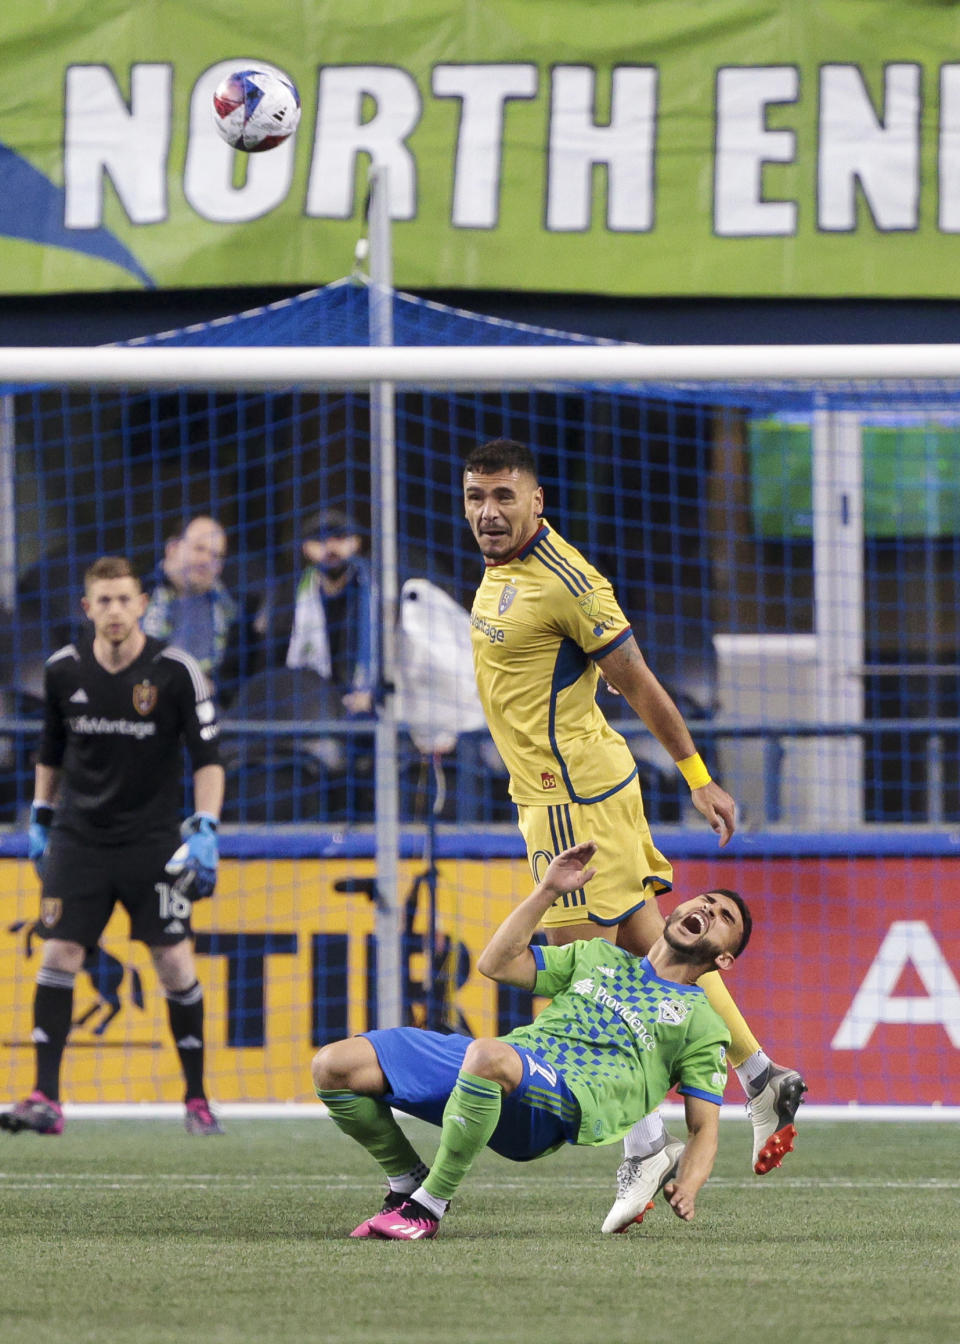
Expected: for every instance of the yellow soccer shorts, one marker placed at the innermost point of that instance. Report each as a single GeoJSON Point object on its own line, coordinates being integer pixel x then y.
{"type": "Point", "coordinates": [630, 869]}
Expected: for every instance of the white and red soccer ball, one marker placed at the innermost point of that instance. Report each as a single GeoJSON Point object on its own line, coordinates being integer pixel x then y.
{"type": "Point", "coordinates": [256, 110]}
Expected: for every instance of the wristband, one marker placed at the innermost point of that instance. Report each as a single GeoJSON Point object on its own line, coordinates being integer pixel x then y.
{"type": "Point", "coordinates": [41, 814]}
{"type": "Point", "coordinates": [694, 771]}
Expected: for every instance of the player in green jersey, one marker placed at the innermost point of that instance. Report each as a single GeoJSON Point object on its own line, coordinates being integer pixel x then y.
{"type": "Point", "coordinates": [619, 1032]}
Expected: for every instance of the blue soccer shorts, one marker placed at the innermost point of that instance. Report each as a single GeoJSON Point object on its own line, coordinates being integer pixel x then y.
{"type": "Point", "coordinates": [421, 1069]}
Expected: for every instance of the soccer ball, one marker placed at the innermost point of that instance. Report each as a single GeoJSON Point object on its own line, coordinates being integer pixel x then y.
{"type": "Point", "coordinates": [256, 109]}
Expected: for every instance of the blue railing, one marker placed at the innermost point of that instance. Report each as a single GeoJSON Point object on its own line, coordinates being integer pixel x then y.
{"type": "Point", "coordinates": [478, 792]}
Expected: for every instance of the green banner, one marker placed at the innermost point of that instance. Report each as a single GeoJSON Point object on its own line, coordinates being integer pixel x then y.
{"type": "Point", "coordinates": [629, 147]}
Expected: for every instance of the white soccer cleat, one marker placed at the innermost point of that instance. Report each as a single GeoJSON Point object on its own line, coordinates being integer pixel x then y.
{"type": "Point", "coordinates": [772, 1112]}
{"type": "Point", "coordinates": [638, 1180]}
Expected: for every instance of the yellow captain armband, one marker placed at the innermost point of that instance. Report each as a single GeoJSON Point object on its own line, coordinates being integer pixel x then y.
{"type": "Point", "coordinates": [694, 771]}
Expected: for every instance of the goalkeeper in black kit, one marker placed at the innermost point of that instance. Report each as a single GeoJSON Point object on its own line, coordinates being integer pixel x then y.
{"type": "Point", "coordinates": [105, 826]}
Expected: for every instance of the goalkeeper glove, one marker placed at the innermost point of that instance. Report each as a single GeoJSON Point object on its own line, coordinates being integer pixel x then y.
{"type": "Point", "coordinates": [194, 865]}
{"type": "Point", "coordinates": [38, 836]}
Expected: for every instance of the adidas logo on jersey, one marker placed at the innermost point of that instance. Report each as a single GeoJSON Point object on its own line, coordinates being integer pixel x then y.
{"type": "Point", "coordinates": [80, 697]}
{"type": "Point", "coordinates": [174, 927]}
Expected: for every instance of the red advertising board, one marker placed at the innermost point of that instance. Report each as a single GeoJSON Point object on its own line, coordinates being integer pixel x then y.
{"type": "Point", "coordinates": [853, 973]}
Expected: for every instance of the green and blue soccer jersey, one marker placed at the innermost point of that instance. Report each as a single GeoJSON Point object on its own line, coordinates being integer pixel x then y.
{"type": "Point", "coordinates": [621, 1036]}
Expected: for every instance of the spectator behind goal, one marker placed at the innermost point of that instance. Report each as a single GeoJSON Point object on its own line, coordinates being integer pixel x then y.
{"type": "Point", "coordinates": [190, 607]}
{"type": "Point", "coordinates": [331, 622]}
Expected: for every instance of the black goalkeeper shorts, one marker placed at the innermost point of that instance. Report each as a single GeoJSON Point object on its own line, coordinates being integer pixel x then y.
{"type": "Point", "coordinates": [82, 882]}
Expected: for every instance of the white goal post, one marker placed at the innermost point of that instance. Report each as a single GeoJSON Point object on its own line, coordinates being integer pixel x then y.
{"type": "Point", "coordinates": [258, 368]}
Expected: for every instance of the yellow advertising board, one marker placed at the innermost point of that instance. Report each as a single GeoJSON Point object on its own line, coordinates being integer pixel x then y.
{"type": "Point", "coordinates": [286, 961]}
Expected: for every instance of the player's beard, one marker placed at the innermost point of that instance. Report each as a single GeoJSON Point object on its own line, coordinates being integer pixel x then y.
{"type": "Point", "coordinates": [698, 953]}
{"type": "Point", "coordinates": [198, 583]}
{"type": "Point", "coordinates": [335, 569]}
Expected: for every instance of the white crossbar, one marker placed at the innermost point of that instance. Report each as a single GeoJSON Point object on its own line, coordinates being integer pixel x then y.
{"type": "Point", "coordinates": [253, 367]}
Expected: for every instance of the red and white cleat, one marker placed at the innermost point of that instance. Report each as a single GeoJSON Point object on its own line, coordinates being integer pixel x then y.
{"type": "Point", "coordinates": [772, 1112]}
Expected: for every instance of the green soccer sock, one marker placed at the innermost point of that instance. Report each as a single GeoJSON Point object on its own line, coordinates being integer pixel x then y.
{"type": "Point", "coordinates": [370, 1122]}
{"type": "Point", "coordinates": [469, 1118]}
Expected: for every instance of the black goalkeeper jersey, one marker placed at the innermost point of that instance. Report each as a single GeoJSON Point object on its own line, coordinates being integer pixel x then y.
{"type": "Point", "coordinates": [118, 738]}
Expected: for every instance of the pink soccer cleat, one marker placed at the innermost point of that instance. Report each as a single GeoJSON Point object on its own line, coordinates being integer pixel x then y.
{"type": "Point", "coordinates": [392, 1201]}
{"type": "Point", "coordinates": [37, 1112]}
{"type": "Point", "coordinates": [199, 1119]}
{"type": "Point", "coordinates": [410, 1222]}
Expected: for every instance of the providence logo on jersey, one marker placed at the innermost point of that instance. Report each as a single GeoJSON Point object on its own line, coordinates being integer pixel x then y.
{"type": "Point", "coordinates": [601, 994]}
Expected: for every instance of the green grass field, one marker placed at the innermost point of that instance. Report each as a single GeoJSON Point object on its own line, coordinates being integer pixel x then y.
{"type": "Point", "coordinates": [131, 1231]}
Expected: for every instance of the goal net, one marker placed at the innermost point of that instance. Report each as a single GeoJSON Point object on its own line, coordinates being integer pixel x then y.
{"type": "Point", "coordinates": [783, 531]}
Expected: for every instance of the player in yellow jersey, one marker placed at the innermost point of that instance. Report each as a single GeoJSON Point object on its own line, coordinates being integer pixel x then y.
{"type": "Point", "coordinates": [545, 626]}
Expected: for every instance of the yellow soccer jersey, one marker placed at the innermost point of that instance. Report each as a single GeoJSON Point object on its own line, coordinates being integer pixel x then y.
{"type": "Point", "coordinates": [538, 621]}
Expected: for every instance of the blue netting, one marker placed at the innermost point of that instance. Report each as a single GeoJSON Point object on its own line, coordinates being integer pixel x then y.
{"type": "Point", "coordinates": [339, 315]}
{"type": "Point", "coordinates": [699, 504]}
{"type": "Point", "coordinates": [703, 523]}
